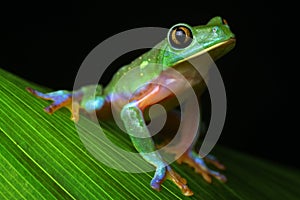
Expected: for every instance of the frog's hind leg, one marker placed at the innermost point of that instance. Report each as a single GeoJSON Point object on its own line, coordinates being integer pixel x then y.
{"type": "Point", "coordinates": [193, 159]}
{"type": "Point", "coordinates": [210, 159]}
{"type": "Point", "coordinates": [190, 156]}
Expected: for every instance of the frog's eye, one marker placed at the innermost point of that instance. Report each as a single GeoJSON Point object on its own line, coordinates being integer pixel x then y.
{"type": "Point", "coordinates": [180, 36]}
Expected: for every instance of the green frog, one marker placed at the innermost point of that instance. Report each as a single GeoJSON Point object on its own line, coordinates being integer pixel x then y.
{"type": "Point", "coordinates": [182, 43]}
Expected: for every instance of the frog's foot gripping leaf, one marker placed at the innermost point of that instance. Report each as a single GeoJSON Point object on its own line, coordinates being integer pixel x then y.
{"type": "Point", "coordinates": [163, 173]}
{"type": "Point", "coordinates": [210, 159]}
{"type": "Point", "coordinates": [61, 98]}
{"type": "Point", "coordinates": [194, 160]}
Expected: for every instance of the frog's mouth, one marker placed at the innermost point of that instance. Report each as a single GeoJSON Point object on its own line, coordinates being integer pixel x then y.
{"type": "Point", "coordinates": [216, 51]}
{"type": "Point", "coordinates": [219, 50]}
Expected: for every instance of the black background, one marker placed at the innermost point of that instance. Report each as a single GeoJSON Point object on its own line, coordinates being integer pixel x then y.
{"type": "Point", "coordinates": [47, 43]}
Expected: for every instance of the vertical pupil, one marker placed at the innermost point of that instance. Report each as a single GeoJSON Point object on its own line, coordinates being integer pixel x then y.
{"type": "Point", "coordinates": [180, 35]}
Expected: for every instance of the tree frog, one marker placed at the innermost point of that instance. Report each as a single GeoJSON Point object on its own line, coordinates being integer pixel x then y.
{"type": "Point", "coordinates": [182, 43]}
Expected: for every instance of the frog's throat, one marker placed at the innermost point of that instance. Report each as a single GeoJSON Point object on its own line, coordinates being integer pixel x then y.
{"type": "Point", "coordinates": [222, 47]}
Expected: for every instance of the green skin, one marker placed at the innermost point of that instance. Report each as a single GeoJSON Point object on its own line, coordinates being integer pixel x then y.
{"type": "Point", "coordinates": [132, 98]}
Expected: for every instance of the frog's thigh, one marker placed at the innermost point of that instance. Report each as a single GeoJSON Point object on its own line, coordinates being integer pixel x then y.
{"type": "Point", "coordinates": [178, 135]}
{"type": "Point", "coordinates": [169, 130]}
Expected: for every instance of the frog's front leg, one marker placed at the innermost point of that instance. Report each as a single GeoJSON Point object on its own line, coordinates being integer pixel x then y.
{"type": "Point", "coordinates": [88, 98]}
{"type": "Point", "coordinates": [132, 116]}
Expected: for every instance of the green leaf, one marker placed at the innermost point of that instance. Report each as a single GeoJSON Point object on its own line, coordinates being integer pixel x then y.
{"type": "Point", "coordinates": [42, 157]}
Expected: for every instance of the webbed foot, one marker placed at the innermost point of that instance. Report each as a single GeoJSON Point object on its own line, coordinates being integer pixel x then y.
{"type": "Point", "coordinates": [195, 161]}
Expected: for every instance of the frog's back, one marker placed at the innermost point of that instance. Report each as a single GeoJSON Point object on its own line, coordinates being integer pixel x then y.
{"type": "Point", "coordinates": [136, 74]}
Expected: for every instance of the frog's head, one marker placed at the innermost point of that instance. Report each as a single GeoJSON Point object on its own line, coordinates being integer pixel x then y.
{"type": "Point", "coordinates": [185, 42]}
